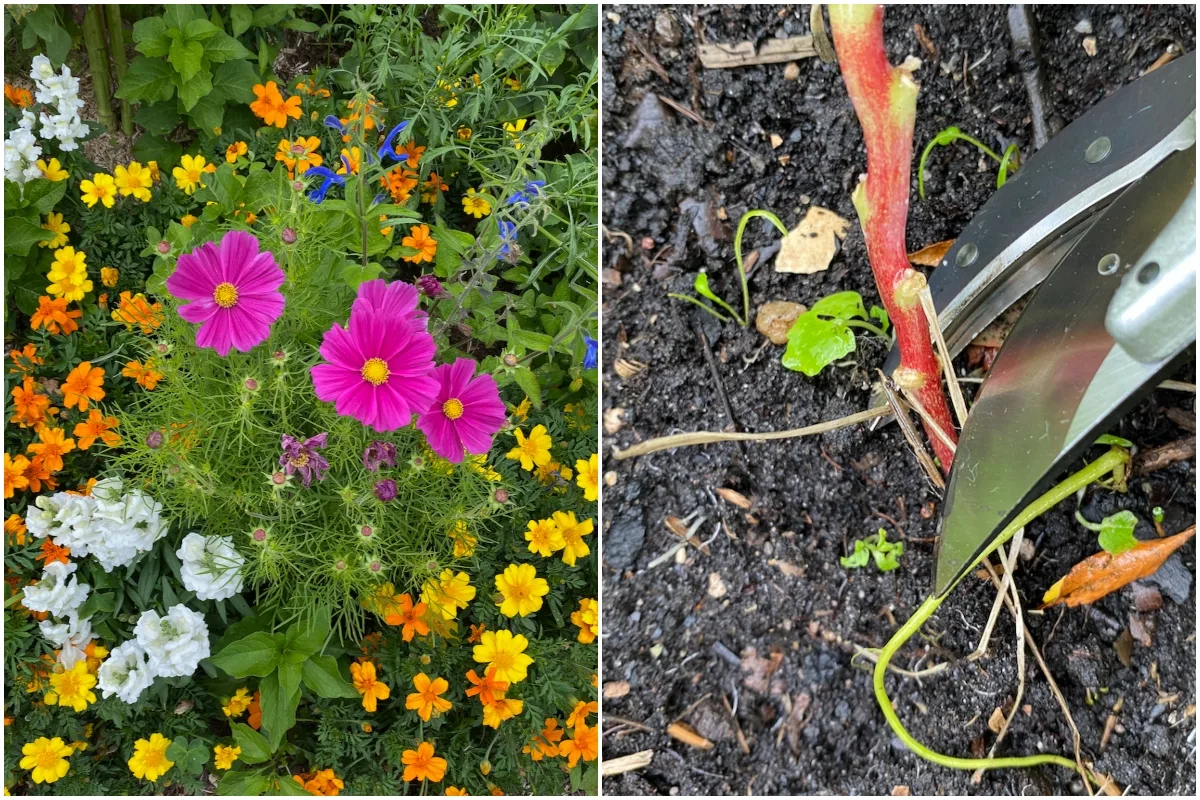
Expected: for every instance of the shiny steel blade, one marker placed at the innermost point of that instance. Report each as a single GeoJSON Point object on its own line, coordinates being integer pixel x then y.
{"type": "Point", "coordinates": [1061, 379]}
{"type": "Point", "coordinates": [1022, 231]}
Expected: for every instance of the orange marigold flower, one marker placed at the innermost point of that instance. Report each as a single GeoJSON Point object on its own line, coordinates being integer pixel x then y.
{"type": "Point", "coordinates": [420, 240]}
{"type": "Point", "coordinates": [271, 107]}
{"type": "Point", "coordinates": [421, 764]}
{"type": "Point", "coordinates": [476, 633]}
{"type": "Point", "coordinates": [324, 783]}
{"type": "Point", "coordinates": [84, 383]}
{"type": "Point", "coordinates": [21, 98]}
{"type": "Point", "coordinates": [84, 489]}
{"type": "Point", "coordinates": [31, 405]}
{"type": "Point", "coordinates": [145, 374]}
{"type": "Point", "coordinates": [97, 426]}
{"type": "Point", "coordinates": [54, 316]}
{"type": "Point", "coordinates": [400, 182]}
{"type": "Point", "coordinates": [52, 552]}
{"type": "Point", "coordinates": [432, 186]}
{"type": "Point", "coordinates": [40, 475]}
{"type": "Point", "coordinates": [427, 698]}
{"type": "Point", "coordinates": [14, 474]}
{"type": "Point", "coordinates": [14, 526]}
{"type": "Point", "coordinates": [487, 687]}
{"type": "Point", "coordinates": [545, 746]}
{"type": "Point", "coordinates": [25, 360]}
{"type": "Point", "coordinates": [299, 154]}
{"type": "Point", "coordinates": [585, 744]}
{"type": "Point", "coordinates": [411, 152]}
{"type": "Point", "coordinates": [412, 617]}
{"type": "Point", "coordinates": [255, 718]}
{"type": "Point", "coordinates": [234, 150]}
{"type": "Point", "coordinates": [52, 446]}
{"type": "Point", "coordinates": [580, 713]}
{"type": "Point", "coordinates": [134, 310]}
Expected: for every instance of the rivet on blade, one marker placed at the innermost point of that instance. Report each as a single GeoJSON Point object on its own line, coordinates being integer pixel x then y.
{"type": "Point", "coordinates": [1109, 264]}
{"type": "Point", "coordinates": [966, 255]}
{"type": "Point", "coordinates": [1098, 150]}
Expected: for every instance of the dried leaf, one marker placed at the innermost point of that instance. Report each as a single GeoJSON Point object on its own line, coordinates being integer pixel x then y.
{"type": "Point", "coordinates": [687, 734]}
{"type": "Point", "coordinates": [627, 369]}
{"type": "Point", "coordinates": [996, 720]}
{"type": "Point", "coordinates": [932, 255]}
{"type": "Point", "coordinates": [813, 243]}
{"type": "Point", "coordinates": [787, 568]}
{"type": "Point", "coordinates": [1104, 573]}
{"type": "Point", "coordinates": [615, 689]}
{"type": "Point", "coordinates": [737, 498]}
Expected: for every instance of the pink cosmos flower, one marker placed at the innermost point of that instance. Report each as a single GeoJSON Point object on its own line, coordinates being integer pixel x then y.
{"type": "Point", "coordinates": [234, 291]}
{"type": "Point", "coordinates": [466, 412]}
{"type": "Point", "coordinates": [379, 366]}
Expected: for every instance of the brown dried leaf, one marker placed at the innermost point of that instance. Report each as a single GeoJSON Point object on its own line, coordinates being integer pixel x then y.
{"type": "Point", "coordinates": [787, 568]}
{"type": "Point", "coordinates": [627, 369]}
{"type": "Point", "coordinates": [932, 255]}
{"type": "Point", "coordinates": [759, 670]}
{"type": "Point", "coordinates": [615, 689]}
{"type": "Point", "coordinates": [1104, 573]}
{"type": "Point", "coordinates": [737, 498]}
{"type": "Point", "coordinates": [687, 734]}
{"type": "Point", "coordinates": [812, 244]}
{"type": "Point", "coordinates": [996, 720]}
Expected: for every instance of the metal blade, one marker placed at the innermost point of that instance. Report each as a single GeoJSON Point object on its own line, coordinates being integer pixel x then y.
{"type": "Point", "coordinates": [1061, 378]}
{"type": "Point", "coordinates": [1025, 227]}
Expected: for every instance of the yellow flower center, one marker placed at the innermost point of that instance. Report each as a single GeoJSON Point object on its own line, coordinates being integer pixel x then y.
{"type": "Point", "coordinates": [502, 661]}
{"type": "Point", "coordinates": [225, 295]}
{"type": "Point", "coordinates": [47, 759]}
{"type": "Point", "coordinates": [299, 461]}
{"type": "Point", "coordinates": [153, 760]}
{"type": "Point", "coordinates": [452, 408]}
{"type": "Point", "coordinates": [193, 175]}
{"type": "Point", "coordinates": [529, 447]}
{"type": "Point", "coordinates": [376, 371]}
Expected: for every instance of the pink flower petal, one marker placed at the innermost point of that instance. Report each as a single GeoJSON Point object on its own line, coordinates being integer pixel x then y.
{"type": "Point", "coordinates": [198, 311]}
{"type": "Point", "coordinates": [331, 381]}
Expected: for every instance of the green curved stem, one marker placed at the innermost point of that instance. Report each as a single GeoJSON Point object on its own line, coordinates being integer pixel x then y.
{"type": "Point", "coordinates": [737, 254]}
{"type": "Point", "coordinates": [1011, 155]}
{"type": "Point", "coordinates": [1114, 459]}
{"type": "Point", "coordinates": [949, 137]}
{"type": "Point", "coordinates": [705, 306]}
{"type": "Point", "coordinates": [875, 329]}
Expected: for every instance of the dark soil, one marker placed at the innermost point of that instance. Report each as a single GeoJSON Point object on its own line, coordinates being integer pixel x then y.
{"type": "Point", "coordinates": [813, 725]}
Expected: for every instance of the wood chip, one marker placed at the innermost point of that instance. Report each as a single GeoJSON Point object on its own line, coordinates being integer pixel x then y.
{"type": "Point", "coordinates": [900, 791]}
{"type": "Point", "coordinates": [615, 689]}
{"type": "Point", "coordinates": [716, 586]}
{"type": "Point", "coordinates": [1168, 454]}
{"type": "Point", "coordinates": [737, 498]}
{"type": "Point", "coordinates": [687, 734]}
{"type": "Point", "coordinates": [776, 140]}
{"type": "Point", "coordinates": [1171, 53]}
{"type": "Point", "coordinates": [996, 720]}
{"type": "Point", "coordinates": [1089, 45]}
{"type": "Point", "coordinates": [615, 766]}
{"type": "Point", "coordinates": [812, 244]}
{"type": "Point", "coordinates": [744, 54]}
{"type": "Point", "coordinates": [932, 255]}
{"type": "Point", "coordinates": [787, 568]}
{"type": "Point", "coordinates": [627, 369]}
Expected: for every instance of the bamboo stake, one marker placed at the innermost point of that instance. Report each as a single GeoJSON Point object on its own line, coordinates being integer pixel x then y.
{"type": "Point", "coordinates": [97, 52]}
{"type": "Point", "coordinates": [116, 40]}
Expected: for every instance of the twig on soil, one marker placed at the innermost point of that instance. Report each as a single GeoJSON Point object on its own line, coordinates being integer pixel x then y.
{"type": "Point", "coordinates": [621, 764]}
{"type": "Point", "coordinates": [620, 235]}
{"type": "Point", "coordinates": [935, 328]}
{"type": "Point", "coordinates": [706, 350]}
{"type": "Point", "coordinates": [685, 111]}
{"type": "Point", "coordinates": [900, 412]}
{"type": "Point", "coordinates": [1178, 386]}
{"type": "Point", "coordinates": [1009, 567]}
{"type": "Point", "coordinates": [1168, 454]}
{"type": "Point", "coordinates": [737, 726]}
{"type": "Point", "coordinates": [691, 708]}
{"type": "Point", "coordinates": [745, 54]}
{"type": "Point", "coordinates": [612, 720]}
{"type": "Point", "coordinates": [930, 423]}
{"type": "Point", "coordinates": [711, 437]}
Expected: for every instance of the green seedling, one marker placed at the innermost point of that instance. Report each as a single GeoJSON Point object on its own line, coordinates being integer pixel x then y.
{"type": "Point", "coordinates": [1120, 476]}
{"type": "Point", "coordinates": [1158, 514]}
{"type": "Point", "coordinates": [1116, 531]}
{"type": "Point", "coordinates": [822, 335]}
{"type": "Point", "coordinates": [886, 554]}
{"type": "Point", "coordinates": [1011, 158]}
{"type": "Point", "coordinates": [701, 283]}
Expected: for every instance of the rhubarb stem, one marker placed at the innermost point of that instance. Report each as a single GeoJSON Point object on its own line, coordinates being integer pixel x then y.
{"type": "Point", "coordinates": [885, 99]}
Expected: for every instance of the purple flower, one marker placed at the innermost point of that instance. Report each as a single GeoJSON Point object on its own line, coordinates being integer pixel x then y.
{"type": "Point", "coordinates": [303, 457]}
{"type": "Point", "coordinates": [378, 453]}
{"type": "Point", "coordinates": [430, 286]}
{"type": "Point", "coordinates": [385, 490]}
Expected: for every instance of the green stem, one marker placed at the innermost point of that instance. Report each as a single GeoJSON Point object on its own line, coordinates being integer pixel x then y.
{"type": "Point", "coordinates": [737, 254]}
{"type": "Point", "coordinates": [1114, 459]}
{"type": "Point", "coordinates": [97, 52]}
{"type": "Point", "coordinates": [858, 323]}
{"type": "Point", "coordinates": [116, 41]}
{"type": "Point", "coordinates": [705, 306]}
{"type": "Point", "coordinates": [1011, 155]}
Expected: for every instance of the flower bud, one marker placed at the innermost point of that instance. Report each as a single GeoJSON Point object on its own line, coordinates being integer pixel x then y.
{"type": "Point", "coordinates": [164, 247]}
{"type": "Point", "coordinates": [500, 496]}
{"type": "Point", "coordinates": [510, 360]}
{"type": "Point", "coordinates": [385, 490]}
{"type": "Point", "coordinates": [259, 535]}
{"type": "Point", "coordinates": [366, 532]}
{"type": "Point", "coordinates": [288, 235]}
{"type": "Point", "coordinates": [154, 440]}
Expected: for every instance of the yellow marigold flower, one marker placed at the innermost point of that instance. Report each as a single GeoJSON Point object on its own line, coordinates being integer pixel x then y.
{"type": "Point", "coordinates": [155, 175]}
{"type": "Point", "coordinates": [464, 541]}
{"type": "Point", "coordinates": [109, 276]}
{"type": "Point", "coordinates": [54, 223]}
{"type": "Point", "coordinates": [514, 130]}
{"type": "Point", "coordinates": [420, 240]}
{"type": "Point", "coordinates": [463, 133]}
{"type": "Point", "coordinates": [237, 704]}
{"type": "Point", "coordinates": [544, 537]}
{"type": "Point", "coordinates": [588, 478]}
{"type": "Point", "coordinates": [51, 447]}
{"type": "Point", "coordinates": [353, 157]}
{"type": "Point", "coordinates": [500, 709]}
{"type": "Point", "coordinates": [190, 173]}
{"type": "Point", "coordinates": [52, 171]}
{"type": "Point", "coordinates": [432, 187]}
{"type": "Point", "coordinates": [72, 688]}
{"type": "Point", "coordinates": [14, 474]}
{"type": "Point", "coordinates": [100, 189]}
{"type": "Point", "coordinates": [188, 220]}
{"type": "Point", "coordinates": [47, 758]}
{"type": "Point", "coordinates": [521, 412]}
{"type": "Point", "coordinates": [521, 589]}
{"type": "Point", "coordinates": [368, 685]}
{"type": "Point", "coordinates": [448, 593]}
{"type": "Point", "coordinates": [588, 620]}
{"type": "Point", "coordinates": [534, 450]}
{"type": "Point", "coordinates": [505, 653]}
{"type": "Point", "coordinates": [68, 275]}
{"type": "Point", "coordinates": [427, 700]}
{"type": "Point", "coordinates": [234, 150]}
{"type": "Point", "coordinates": [134, 180]}
{"type": "Point", "coordinates": [545, 746]}
{"type": "Point", "coordinates": [224, 755]}
{"type": "Point", "coordinates": [14, 526]}
{"type": "Point", "coordinates": [573, 532]}
{"type": "Point", "coordinates": [476, 205]}
{"type": "Point", "coordinates": [454, 791]}
{"type": "Point", "coordinates": [299, 155]}
{"type": "Point", "coordinates": [150, 758]}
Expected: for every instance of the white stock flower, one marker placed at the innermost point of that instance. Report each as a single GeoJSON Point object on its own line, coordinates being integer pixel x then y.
{"type": "Point", "coordinates": [125, 673]}
{"type": "Point", "coordinates": [60, 90]}
{"type": "Point", "coordinates": [58, 515]}
{"type": "Point", "coordinates": [174, 643]}
{"type": "Point", "coordinates": [123, 524]}
{"type": "Point", "coordinates": [212, 568]}
{"type": "Point", "coordinates": [72, 638]}
{"type": "Point", "coordinates": [58, 592]}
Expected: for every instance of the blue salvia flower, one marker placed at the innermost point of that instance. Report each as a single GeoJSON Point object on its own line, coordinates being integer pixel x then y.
{"type": "Point", "coordinates": [388, 150]}
{"type": "Point", "coordinates": [589, 358]}
{"type": "Point", "coordinates": [378, 199]}
{"type": "Point", "coordinates": [328, 178]}
{"type": "Point", "coordinates": [524, 196]}
{"type": "Point", "coordinates": [508, 237]}
{"type": "Point", "coordinates": [333, 122]}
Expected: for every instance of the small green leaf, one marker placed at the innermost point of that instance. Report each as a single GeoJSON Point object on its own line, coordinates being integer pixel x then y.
{"type": "Point", "coordinates": [354, 273]}
{"type": "Point", "coordinates": [186, 57]}
{"type": "Point", "coordinates": [255, 748]}
{"type": "Point", "coordinates": [189, 756]}
{"type": "Point", "coordinates": [1108, 438]}
{"type": "Point", "coordinates": [702, 289]}
{"type": "Point", "coordinates": [322, 676]}
{"type": "Point", "coordinates": [243, 783]}
{"type": "Point", "coordinates": [241, 18]}
{"type": "Point", "coordinates": [840, 306]}
{"type": "Point", "coordinates": [885, 554]}
{"type": "Point", "coordinates": [858, 558]}
{"type": "Point", "coordinates": [529, 384]}
{"type": "Point", "coordinates": [881, 315]}
{"type": "Point", "coordinates": [1116, 532]}
{"type": "Point", "coordinates": [257, 654]}
{"type": "Point", "coordinates": [815, 343]}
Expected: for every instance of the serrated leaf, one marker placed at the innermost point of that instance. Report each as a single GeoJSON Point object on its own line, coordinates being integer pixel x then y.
{"type": "Point", "coordinates": [148, 80]}
{"type": "Point", "coordinates": [234, 80]}
{"type": "Point", "coordinates": [186, 56]}
{"type": "Point", "coordinates": [195, 88]}
{"type": "Point", "coordinates": [241, 18]}
{"type": "Point", "coordinates": [222, 47]}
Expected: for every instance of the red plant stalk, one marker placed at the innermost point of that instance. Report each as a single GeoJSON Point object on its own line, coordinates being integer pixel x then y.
{"type": "Point", "coordinates": [885, 99]}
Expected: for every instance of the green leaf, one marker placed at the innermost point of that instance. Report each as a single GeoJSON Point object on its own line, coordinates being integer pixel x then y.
{"type": "Point", "coordinates": [815, 343]}
{"type": "Point", "coordinates": [531, 339]}
{"type": "Point", "coordinates": [186, 57]}
{"type": "Point", "coordinates": [199, 30]}
{"type": "Point", "coordinates": [241, 18]}
{"type": "Point", "coordinates": [291, 788]}
{"type": "Point", "coordinates": [20, 235]}
{"type": "Point", "coordinates": [322, 676]}
{"type": "Point", "coordinates": [258, 654]}
{"type": "Point", "coordinates": [157, 118]}
{"type": "Point", "coordinates": [840, 306]}
{"type": "Point", "coordinates": [255, 748]}
{"type": "Point", "coordinates": [529, 384]}
{"type": "Point", "coordinates": [98, 603]}
{"type": "Point", "coordinates": [157, 148]}
{"type": "Point", "coordinates": [289, 676]}
{"type": "Point", "coordinates": [308, 636]}
{"type": "Point", "coordinates": [223, 47]}
{"type": "Point", "coordinates": [189, 756]}
{"type": "Point", "coordinates": [881, 315]}
{"type": "Point", "coordinates": [243, 783]}
{"type": "Point", "coordinates": [196, 88]}
{"type": "Point", "coordinates": [1108, 438]}
{"type": "Point", "coordinates": [151, 37]}
{"type": "Point", "coordinates": [148, 80]}
{"type": "Point", "coordinates": [354, 273]}
{"type": "Point", "coordinates": [44, 194]}
{"type": "Point", "coordinates": [178, 15]}
{"type": "Point", "coordinates": [279, 710]}
{"type": "Point", "coordinates": [858, 558]}
{"type": "Point", "coordinates": [208, 113]}
{"type": "Point", "coordinates": [885, 554]}
{"type": "Point", "coordinates": [234, 80]}
{"type": "Point", "coordinates": [1116, 532]}
{"type": "Point", "coordinates": [268, 15]}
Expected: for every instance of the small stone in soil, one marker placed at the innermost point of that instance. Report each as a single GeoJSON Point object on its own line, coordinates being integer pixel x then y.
{"type": "Point", "coordinates": [624, 539]}
{"type": "Point", "coordinates": [791, 72]}
{"type": "Point", "coordinates": [716, 586]}
{"type": "Point", "coordinates": [774, 319]}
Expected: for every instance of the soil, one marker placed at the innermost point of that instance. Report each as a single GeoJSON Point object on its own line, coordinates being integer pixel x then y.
{"type": "Point", "coordinates": [781, 604]}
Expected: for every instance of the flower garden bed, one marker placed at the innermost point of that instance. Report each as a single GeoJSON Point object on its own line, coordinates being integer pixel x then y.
{"type": "Point", "coordinates": [300, 465]}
